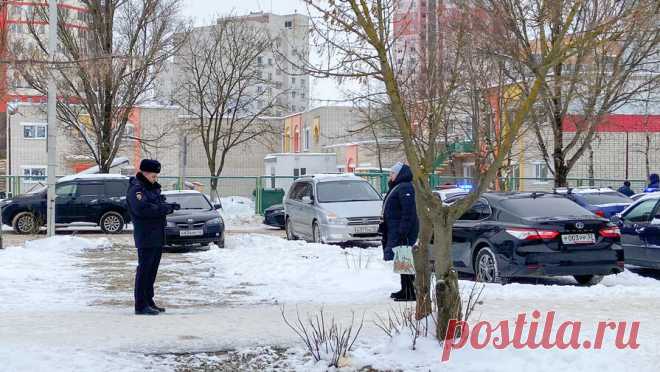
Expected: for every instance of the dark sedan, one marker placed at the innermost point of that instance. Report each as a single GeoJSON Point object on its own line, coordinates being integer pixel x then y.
{"type": "Point", "coordinates": [640, 232]}
{"type": "Point", "coordinates": [274, 216]}
{"type": "Point", "coordinates": [603, 202]}
{"type": "Point", "coordinates": [508, 235]}
{"type": "Point", "coordinates": [196, 224]}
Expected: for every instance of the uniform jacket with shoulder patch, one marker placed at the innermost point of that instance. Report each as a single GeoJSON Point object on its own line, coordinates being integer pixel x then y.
{"type": "Point", "coordinates": [148, 210]}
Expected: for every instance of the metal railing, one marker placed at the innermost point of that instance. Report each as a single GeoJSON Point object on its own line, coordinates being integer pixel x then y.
{"type": "Point", "coordinates": [254, 187]}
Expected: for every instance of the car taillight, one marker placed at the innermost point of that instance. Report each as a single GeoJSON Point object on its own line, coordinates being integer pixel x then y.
{"type": "Point", "coordinates": [532, 234]}
{"type": "Point", "coordinates": [599, 213]}
{"type": "Point", "coordinates": [610, 232]}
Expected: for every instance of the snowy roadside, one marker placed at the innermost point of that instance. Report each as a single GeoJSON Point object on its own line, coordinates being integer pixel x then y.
{"type": "Point", "coordinates": [54, 309]}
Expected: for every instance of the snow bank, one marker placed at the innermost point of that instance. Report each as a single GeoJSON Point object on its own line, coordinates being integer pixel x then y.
{"type": "Point", "coordinates": [270, 269]}
{"type": "Point", "coordinates": [238, 210]}
{"type": "Point", "coordinates": [46, 272]}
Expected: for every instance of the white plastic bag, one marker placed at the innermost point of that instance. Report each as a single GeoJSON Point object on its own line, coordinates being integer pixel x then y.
{"type": "Point", "coordinates": [403, 260]}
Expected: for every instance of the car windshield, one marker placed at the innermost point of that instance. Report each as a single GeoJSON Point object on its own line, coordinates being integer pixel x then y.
{"type": "Point", "coordinates": [606, 198]}
{"type": "Point", "coordinates": [346, 191]}
{"type": "Point", "coordinates": [189, 201]}
{"type": "Point", "coordinates": [544, 207]}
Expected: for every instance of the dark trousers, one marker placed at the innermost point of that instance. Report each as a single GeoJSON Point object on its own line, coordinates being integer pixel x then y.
{"type": "Point", "coordinates": [408, 285]}
{"type": "Point", "coordinates": [145, 276]}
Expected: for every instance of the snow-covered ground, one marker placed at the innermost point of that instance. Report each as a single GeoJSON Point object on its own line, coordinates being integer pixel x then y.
{"type": "Point", "coordinates": [66, 304]}
{"type": "Point", "coordinates": [238, 213]}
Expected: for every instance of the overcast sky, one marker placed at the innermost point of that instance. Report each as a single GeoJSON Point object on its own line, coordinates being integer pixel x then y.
{"type": "Point", "coordinates": [204, 12]}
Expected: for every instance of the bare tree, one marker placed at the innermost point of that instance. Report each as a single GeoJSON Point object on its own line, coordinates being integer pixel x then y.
{"type": "Point", "coordinates": [607, 73]}
{"type": "Point", "coordinates": [222, 92]}
{"type": "Point", "coordinates": [108, 58]}
{"type": "Point", "coordinates": [454, 69]}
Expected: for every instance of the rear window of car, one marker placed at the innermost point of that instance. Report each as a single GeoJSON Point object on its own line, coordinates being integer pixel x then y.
{"type": "Point", "coordinates": [91, 189]}
{"type": "Point", "coordinates": [605, 198]}
{"type": "Point", "coordinates": [116, 189]}
{"type": "Point", "coordinates": [546, 206]}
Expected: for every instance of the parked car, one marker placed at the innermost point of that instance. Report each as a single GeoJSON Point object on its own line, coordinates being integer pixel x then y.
{"type": "Point", "coordinates": [505, 235]}
{"type": "Point", "coordinates": [603, 202]}
{"type": "Point", "coordinates": [197, 224]}
{"type": "Point", "coordinates": [640, 231]}
{"type": "Point", "coordinates": [91, 198]}
{"type": "Point", "coordinates": [643, 194]}
{"type": "Point", "coordinates": [274, 216]}
{"type": "Point", "coordinates": [447, 192]}
{"type": "Point", "coordinates": [332, 209]}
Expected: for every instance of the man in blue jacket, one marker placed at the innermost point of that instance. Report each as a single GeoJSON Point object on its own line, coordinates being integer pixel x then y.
{"type": "Point", "coordinates": [148, 209]}
{"type": "Point", "coordinates": [401, 225]}
{"type": "Point", "coordinates": [654, 183]}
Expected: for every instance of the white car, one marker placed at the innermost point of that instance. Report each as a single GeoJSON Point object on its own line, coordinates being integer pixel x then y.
{"type": "Point", "coordinates": [332, 209]}
{"type": "Point", "coordinates": [448, 193]}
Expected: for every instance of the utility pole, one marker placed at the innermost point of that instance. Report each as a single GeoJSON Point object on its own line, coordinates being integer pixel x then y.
{"type": "Point", "coordinates": [52, 124]}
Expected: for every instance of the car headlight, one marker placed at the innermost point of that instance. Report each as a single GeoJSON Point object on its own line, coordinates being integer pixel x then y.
{"type": "Point", "coordinates": [171, 224]}
{"type": "Point", "coordinates": [214, 221]}
{"type": "Point", "coordinates": [335, 220]}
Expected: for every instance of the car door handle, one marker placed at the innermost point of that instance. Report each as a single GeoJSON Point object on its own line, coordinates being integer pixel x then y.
{"type": "Point", "coordinates": [639, 229]}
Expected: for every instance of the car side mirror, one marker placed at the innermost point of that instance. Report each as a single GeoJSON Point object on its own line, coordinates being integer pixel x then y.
{"type": "Point", "coordinates": [616, 219]}
{"type": "Point", "coordinates": [217, 206]}
{"type": "Point", "coordinates": [307, 200]}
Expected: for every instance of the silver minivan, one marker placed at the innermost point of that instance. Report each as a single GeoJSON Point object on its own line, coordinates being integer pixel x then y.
{"type": "Point", "coordinates": [332, 209]}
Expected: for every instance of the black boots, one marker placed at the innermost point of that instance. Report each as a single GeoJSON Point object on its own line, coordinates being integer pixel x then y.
{"type": "Point", "coordinates": [147, 311]}
{"type": "Point", "coordinates": [407, 292]}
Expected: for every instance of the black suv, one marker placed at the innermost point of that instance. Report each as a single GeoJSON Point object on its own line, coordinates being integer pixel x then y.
{"type": "Point", "coordinates": [93, 198]}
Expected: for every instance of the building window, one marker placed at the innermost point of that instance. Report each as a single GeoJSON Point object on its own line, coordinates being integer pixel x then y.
{"type": "Point", "coordinates": [307, 138]}
{"type": "Point", "coordinates": [260, 60]}
{"type": "Point", "coordinates": [270, 61]}
{"type": "Point", "coordinates": [288, 24]}
{"type": "Point", "coordinates": [34, 174]}
{"type": "Point", "coordinates": [468, 170]}
{"type": "Point", "coordinates": [293, 80]}
{"type": "Point", "coordinates": [541, 172]}
{"type": "Point", "coordinates": [129, 133]}
{"type": "Point", "coordinates": [35, 131]}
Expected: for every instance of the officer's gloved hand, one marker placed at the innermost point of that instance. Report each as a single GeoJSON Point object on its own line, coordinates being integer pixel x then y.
{"type": "Point", "coordinates": [176, 206]}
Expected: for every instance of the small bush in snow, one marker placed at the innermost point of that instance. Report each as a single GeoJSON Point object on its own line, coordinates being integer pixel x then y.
{"type": "Point", "coordinates": [403, 320]}
{"type": "Point", "coordinates": [357, 262]}
{"type": "Point", "coordinates": [324, 338]}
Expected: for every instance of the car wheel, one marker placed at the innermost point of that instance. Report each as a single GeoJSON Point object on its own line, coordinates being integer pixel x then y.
{"type": "Point", "coordinates": [112, 223]}
{"type": "Point", "coordinates": [316, 233]}
{"type": "Point", "coordinates": [486, 268]}
{"type": "Point", "coordinates": [25, 223]}
{"type": "Point", "coordinates": [588, 280]}
{"type": "Point", "coordinates": [289, 230]}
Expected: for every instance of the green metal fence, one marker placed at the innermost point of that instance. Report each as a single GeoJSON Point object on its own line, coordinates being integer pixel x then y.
{"type": "Point", "coordinates": [265, 190]}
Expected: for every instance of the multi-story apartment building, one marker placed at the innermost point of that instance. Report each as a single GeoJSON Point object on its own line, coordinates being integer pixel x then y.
{"type": "Point", "coordinates": [284, 83]}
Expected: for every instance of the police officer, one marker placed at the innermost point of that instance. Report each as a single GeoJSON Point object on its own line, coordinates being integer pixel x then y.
{"type": "Point", "coordinates": [148, 209]}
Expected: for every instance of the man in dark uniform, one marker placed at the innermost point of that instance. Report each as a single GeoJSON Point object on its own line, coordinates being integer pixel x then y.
{"type": "Point", "coordinates": [148, 209]}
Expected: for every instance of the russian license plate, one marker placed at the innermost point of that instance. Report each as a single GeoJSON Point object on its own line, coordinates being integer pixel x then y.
{"type": "Point", "coordinates": [578, 239]}
{"type": "Point", "coordinates": [366, 229]}
{"type": "Point", "coordinates": [191, 232]}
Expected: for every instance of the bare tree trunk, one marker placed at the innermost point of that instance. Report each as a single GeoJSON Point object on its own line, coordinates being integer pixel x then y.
{"type": "Point", "coordinates": [446, 286]}
{"type": "Point", "coordinates": [422, 262]}
{"type": "Point", "coordinates": [590, 171]}
{"type": "Point", "coordinates": [647, 154]}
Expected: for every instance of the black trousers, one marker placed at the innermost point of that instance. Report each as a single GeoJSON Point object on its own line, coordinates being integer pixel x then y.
{"type": "Point", "coordinates": [145, 276]}
{"type": "Point", "coordinates": [408, 284]}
